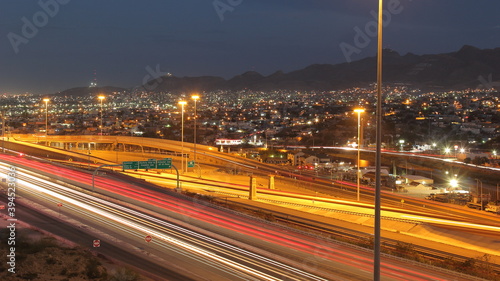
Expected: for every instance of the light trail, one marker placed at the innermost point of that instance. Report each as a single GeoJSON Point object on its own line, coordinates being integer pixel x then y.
{"type": "Point", "coordinates": [292, 241]}
{"type": "Point", "coordinates": [121, 217]}
{"type": "Point", "coordinates": [456, 223]}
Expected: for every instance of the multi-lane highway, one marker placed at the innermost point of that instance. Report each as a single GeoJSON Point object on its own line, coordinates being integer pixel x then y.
{"type": "Point", "coordinates": [198, 240]}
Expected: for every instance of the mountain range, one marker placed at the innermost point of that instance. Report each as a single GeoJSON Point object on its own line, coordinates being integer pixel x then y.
{"type": "Point", "coordinates": [469, 67]}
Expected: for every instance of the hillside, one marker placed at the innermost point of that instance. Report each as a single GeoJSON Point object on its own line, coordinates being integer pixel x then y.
{"type": "Point", "coordinates": [457, 70]}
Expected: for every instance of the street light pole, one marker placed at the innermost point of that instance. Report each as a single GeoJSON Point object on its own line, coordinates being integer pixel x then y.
{"type": "Point", "coordinates": [480, 191]}
{"type": "Point", "coordinates": [46, 100]}
{"type": "Point", "coordinates": [481, 195]}
{"type": "Point", "coordinates": [195, 98]}
{"type": "Point", "coordinates": [378, 157]}
{"type": "Point", "coordinates": [182, 103]}
{"type": "Point", "coordinates": [497, 193]}
{"type": "Point", "coordinates": [101, 98]}
{"type": "Point", "coordinates": [359, 111]}
{"type": "Point", "coordinates": [3, 132]}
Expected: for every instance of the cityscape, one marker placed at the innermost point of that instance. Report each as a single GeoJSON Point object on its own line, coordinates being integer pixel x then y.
{"type": "Point", "coordinates": [133, 150]}
{"type": "Point", "coordinates": [468, 119]}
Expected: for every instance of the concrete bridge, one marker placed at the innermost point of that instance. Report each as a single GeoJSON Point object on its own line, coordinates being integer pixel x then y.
{"type": "Point", "coordinates": [116, 149]}
{"type": "Point", "coordinates": [114, 143]}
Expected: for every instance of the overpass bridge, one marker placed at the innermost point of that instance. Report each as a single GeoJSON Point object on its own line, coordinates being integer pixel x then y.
{"type": "Point", "coordinates": [113, 143]}
{"type": "Point", "coordinates": [102, 149]}
{"type": "Point", "coordinates": [79, 146]}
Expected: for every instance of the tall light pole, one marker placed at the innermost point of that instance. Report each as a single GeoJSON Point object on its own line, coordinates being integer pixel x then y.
{"type": "Point", "coordinates": [182, 103]}
{"type": "Point", "coordinates": [101, 98]}
{"type": "Point", "coordinates": [497, 193]}
{"type": "Point", "coordinates": [46, 100]}
{"type": "Point", "coordinates": [378, 157]}
{"type": "Point", "coordinates": [359, 111]}
{"type": "Point", "coordinates": [3, 132]}
{"type": "Point", "coordinates": [195, 98]}
{"type": "Point", "coordinates": [481, 192]}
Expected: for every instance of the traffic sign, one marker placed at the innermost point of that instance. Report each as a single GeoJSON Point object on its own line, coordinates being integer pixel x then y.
{"type": "Point", "coordinates": [130, 165]}
{"type": "Point", "coordinates": [191, 164]}
{"type": "Point", "coordinates": [165, 163]}
{"type": "Point", "coordinates": [96, 243]}
{"type": "Point", "coordinates": [149, 164]}
{"type": "Point", "coordinates": [148, 238]}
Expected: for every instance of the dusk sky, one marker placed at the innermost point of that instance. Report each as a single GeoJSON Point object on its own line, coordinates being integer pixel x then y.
{"type": "Point", "coordinates": [122, 39]}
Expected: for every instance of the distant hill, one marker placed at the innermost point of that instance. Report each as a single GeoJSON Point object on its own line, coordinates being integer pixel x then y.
{"type": "Point", "coordinates": [90, 91]}
{"type": "Point", "coordinates": [469, 67]}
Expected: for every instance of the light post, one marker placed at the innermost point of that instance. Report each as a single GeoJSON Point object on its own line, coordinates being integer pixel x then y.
{"type": "Point", "coordinates": [46, 100]}
{"type": "Point", "coordinates": [378, 157]}
{"type": "Point", "coordinates": [481, 192]}
{"type": "Point", "coordinates": [3, 132]}
{"type": "Point", "coordinates": [195, 98]}
{"type": "Point", "coordinates": [497, 194]}
{"type": "Point", "coordinates": [101, 98]}
{"type": "Point", "coordinates": [359, 111]}
{"type": "Point", "coordinates": [182, 103]}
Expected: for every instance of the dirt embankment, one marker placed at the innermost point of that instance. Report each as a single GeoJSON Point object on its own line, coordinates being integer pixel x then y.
{"type": "Point", "coordinates": [36, 256]}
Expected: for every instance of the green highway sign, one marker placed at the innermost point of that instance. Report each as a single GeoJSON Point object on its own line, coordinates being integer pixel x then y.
{"type": "Point", "coordinates": [165, 163]}
{"type": "Point", "coordinates": [191, 164]}
{"type": "Point", "coordinates": [150, 164]}
{"type": "Point", "coordinates": [130, 165]}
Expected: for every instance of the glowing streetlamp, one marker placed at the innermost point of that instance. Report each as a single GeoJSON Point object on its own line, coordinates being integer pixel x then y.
{"type": "Point", "coordinates": [101, 98]}
{"type": "Point", "coordinates": [46, 100]}
{"type": "Point", "coordinates": [182, 103]}
{"type": "Point", "coordinates": [195, 98]}
{"type": "Point", "coordinates": [401, 143]}
{"type": "Point", "coordinates": [454, 183]}
{"type": "Point", "coordinates": [359, 111]}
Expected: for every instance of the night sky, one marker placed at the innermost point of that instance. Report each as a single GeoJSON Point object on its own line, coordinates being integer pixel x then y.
{"type": "Point", "coordinates": [122, 39]}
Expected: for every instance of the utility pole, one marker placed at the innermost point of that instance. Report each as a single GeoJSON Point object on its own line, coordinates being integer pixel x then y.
{"type": "Point", "coordinates": [3, 132]}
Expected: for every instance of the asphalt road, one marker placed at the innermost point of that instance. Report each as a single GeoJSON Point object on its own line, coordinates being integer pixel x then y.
{"type": "Point", "coordinates": [39, 220]}
{"type": "Point", "coordinates": [316, 256]}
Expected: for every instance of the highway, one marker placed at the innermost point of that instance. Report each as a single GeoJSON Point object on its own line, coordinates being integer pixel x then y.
{"type": "Point", "coordinates": [218, 259]}
{"type": "Point", "coordinates": [224, 245]}
{"type": "Point", "coordinates": [425, 209]}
